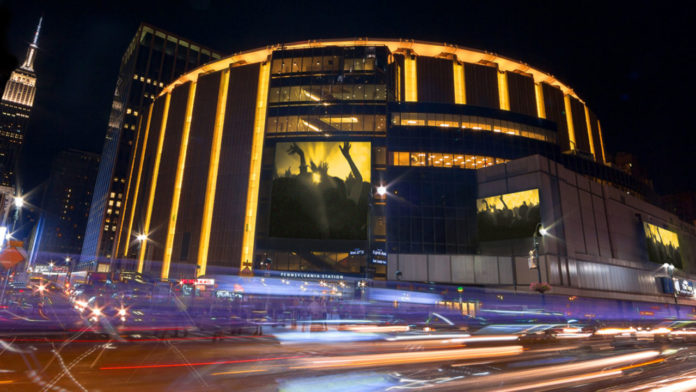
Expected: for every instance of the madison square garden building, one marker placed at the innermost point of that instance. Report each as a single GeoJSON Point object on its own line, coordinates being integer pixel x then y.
{"type": "Point", "coordinates": [392, 159]}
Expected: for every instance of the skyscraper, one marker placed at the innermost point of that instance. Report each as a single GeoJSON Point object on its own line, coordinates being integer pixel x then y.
{"type": "Point", "coordinates": [15, 108]}
{"type": "Point", "coordinates": [65, 206]}
{"type": "Point", "coordinates": [153, 59]}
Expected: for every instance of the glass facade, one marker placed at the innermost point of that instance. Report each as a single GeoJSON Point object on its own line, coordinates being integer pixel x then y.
{"type": "Point", "coordinates": [474, 123]}
{"type": "Point", "coordinates": [153, 59]}
{"type": "Point", "coordinates": [434, 159]}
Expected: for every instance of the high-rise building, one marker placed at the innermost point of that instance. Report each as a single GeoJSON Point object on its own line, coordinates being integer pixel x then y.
{"type": "Point", "coordinates": [65, 206]}
{"type": "Point", "coordinates": [152, 60]}
{"type": "Point", "coordinates": [15, 108]}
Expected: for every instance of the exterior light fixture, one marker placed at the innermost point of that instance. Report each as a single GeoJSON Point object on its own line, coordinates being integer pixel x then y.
{"type": "Point", "coordinates": [19, 202]}
{"type": "Point", "coordinates": [141, 237]}
{"type": "Point", "coordinates": [381, 190]}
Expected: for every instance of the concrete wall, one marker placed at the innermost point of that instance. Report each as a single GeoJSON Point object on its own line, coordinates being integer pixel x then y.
{"type": "Point", "coordinates": [596, 239]}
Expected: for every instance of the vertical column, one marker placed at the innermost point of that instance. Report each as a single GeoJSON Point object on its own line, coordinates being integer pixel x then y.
{"type": "Point", "coordinates": [569, 121]}
{"type": "Point", "coordinates": [410, 79]}
{"type": "Point", "coordinates": [209, 203]}
{"type": "Point", "coordinates": [459, 85]}
{"type": "Point", "coordinates": [166, 260]}
{"type": "Point", "coordinates": [503, 96]}
{"type": "Point", "coordinates": [153, 185]}
{"type": "Point", "coordinates": [137, 182]}
{"type": "Point", "coordinates": [539, 94]}
{"type": "Point", "coordinates": [134, 154]}
{"type": "Point", "coordinates": [601, 142]}
{"type": "Point", "coordinates": [255, 168]}
{"type": "Point", "coordinates": [589, 131]}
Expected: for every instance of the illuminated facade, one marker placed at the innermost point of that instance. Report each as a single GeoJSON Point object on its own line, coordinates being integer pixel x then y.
{"type": "Point", "coordinates": [152, 60]}
{"type": "Point", "coordinates": [283, 154]}
{"type": "Point", "coordinates": [15, 108]}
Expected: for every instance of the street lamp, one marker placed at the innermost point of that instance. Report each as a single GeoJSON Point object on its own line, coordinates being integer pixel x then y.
{"type": "Point", "coordinates": [539, 232]}
{"type": "Point", "coordinates": [141, 237]}
{"type": "Point", "coordinates": [670, 269]}
{"type": "Point", "coordinates": [19, 202]}
{"type": "Point", "coordinates": [381, 190]}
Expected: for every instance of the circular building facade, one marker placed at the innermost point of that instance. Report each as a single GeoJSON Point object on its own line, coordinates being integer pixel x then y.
{"type": "Point", "coordinates": [347, 156]}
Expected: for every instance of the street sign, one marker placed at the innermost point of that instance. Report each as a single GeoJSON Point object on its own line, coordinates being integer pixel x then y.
{"type": "Point", "coordinates": [13, 254]}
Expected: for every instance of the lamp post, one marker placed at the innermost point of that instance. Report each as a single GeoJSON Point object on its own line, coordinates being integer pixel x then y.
{"type": "Point", "coordinates": [539, 232]}
{"type": "Point", "coordinates": [670, 269]}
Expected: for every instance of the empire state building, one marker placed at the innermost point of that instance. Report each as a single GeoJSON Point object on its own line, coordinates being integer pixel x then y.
{"type": "Point", "coordinates": [15, 107]}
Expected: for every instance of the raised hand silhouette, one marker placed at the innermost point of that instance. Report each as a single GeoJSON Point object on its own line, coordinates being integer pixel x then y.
{"type": "Point", "coordinates": [295, 149]}
{"type": "Point", "coordinates": [345, 150]}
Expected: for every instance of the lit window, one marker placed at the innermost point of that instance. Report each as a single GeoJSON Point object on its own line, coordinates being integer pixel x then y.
{"type": "Point", "coordinates": [112, 195]}
{"type": "Point", "coordinates": [120, 195]}
{"type": "Point", "coordinates": [118, 204]}
{"type": "Point", "coordinates": [108, 211]}
{"type": "Point", "coordinates": [111, 203]}
{"type": "Point", "coordinates": [128, 111]}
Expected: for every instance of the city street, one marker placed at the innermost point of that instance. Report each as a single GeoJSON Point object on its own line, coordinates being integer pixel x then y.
{"type": "Point", "coordinates": [87, 361]}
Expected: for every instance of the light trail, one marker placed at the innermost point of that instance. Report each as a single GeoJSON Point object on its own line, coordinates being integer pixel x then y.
{"type": "Point", "coordinates": [678, 386]}
{"type": "Point", "coordinates": [169, 365]}
{"type": "Point", "coordinates": [238, 372]}
{"type": "Point", "coordinates": [401, 358]}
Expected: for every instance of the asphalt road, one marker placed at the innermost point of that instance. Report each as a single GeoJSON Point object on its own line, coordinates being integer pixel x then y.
{"type": "Point", "coordinates": [292, 360]}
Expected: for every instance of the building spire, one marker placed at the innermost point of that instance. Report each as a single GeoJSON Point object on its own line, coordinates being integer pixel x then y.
{"type": "Point", "coordinates": [31, 52]}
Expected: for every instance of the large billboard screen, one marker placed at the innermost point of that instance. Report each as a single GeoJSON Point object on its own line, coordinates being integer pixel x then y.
{"type": "Point", "coordinates": [321, 190]}
{"type": "Point", "coordinates": [508, 216]}
{"type": "Point", "coordinates": [663, 245]}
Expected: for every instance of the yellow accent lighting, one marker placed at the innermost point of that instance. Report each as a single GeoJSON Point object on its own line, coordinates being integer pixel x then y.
{"type": "Point", "coordinates": [209, 203]}
{"type": "Point", "coordinates": [419, 48]}
{"type": "Point", "coordinates": [130, 178]}
{"type": "Point", "coordinates": [503, 96]}
{"type": "Point", "coordinates": [153, 183]}
{"type": "Point", "coordinates": [255, 168]}
{"type": "Point", "coordinates": [178, 180]}
{"type": "Point", "coordinates": [137, 181]}
{"type": "Point", "coordinates": [601, 142]}
{"type": "Point", "coordinates": [459, 84]}
{"type": "Point", "coordinates": [410, 79]}
{"type": "Point", "coordinates": [539, 94]}
{"type": "Point", "coordinates": [398, 83]}
{"type": "Point", "coordinates": [589, 131]}
{"type": "Point", "coordinates": [569, 121]}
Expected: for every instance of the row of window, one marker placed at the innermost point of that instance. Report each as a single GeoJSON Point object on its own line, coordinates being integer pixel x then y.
{"type": "Point", "coordinates": [474, 123]}
{"type": "Point", "coordinates": [13, 135]}
{"type": "Point", "coordinates": [328, 93]}
{"type": "Point", "coordinates": [433, 159]}
{"type": "Point", "coordinates": [327, 123]}
{"type": "Point", "coordinates": [330, 63]}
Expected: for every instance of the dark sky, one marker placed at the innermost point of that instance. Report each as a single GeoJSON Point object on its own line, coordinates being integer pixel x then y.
{"type": "Point", "coordinates": [630, 61]}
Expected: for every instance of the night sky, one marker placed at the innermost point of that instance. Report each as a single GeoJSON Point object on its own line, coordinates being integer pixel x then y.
{"type": "Point", "coordinates": [630, 62]}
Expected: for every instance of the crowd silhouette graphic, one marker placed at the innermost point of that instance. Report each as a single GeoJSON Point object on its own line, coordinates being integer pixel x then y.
{"type": "Point", "coordinates": [508, 216]}
{"type": "Point", "coordinates": [308, 202]}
